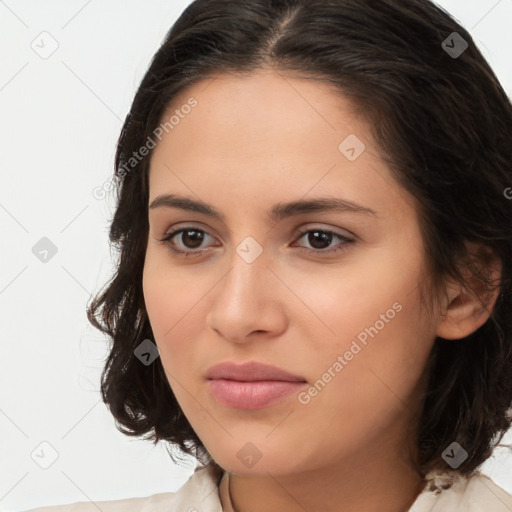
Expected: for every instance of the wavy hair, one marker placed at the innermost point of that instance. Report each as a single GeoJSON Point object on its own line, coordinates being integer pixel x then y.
{"type": "Point", "coordinates": [444, 126]}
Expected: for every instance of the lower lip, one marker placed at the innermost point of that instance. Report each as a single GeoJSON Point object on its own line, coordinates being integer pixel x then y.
{"type": "Point", "coordinates": [252, 395]}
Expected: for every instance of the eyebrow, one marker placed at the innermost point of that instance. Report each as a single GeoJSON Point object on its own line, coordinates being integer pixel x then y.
{"type": "Point", "coordinates": [278, 212]}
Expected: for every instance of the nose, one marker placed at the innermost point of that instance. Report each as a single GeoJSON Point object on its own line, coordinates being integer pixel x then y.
{"type": "Point", "coordinates": [249, 299]}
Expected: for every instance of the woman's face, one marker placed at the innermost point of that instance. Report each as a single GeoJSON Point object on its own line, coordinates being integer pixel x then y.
{"type": "Point", "coordinates": [263, 282]}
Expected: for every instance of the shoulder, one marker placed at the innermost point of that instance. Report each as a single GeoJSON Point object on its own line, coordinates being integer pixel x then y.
{"type": "Point", "coordinates": [156, 502]}
{"type": "Point", "coordinates": [199, 492]}
{"type": "Point", "coordinates": [477, 493]}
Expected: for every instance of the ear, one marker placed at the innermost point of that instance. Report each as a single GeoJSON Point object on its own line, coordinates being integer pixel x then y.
{"type": "Point", "coordinates": [466, 308]}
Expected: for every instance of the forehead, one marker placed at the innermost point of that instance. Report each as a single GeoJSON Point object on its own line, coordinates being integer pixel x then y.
{"type": "Point", "coordinates": [268, 134]}
{"type": "Point", "coordinates": [284, 104]}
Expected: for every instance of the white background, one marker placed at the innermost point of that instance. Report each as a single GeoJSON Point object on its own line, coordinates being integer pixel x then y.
{"type": "Point", "coordinates": [60, 119]}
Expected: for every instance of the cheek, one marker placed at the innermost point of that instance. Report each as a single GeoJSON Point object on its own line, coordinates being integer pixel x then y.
{"type": "Point", "coordinates": [175, 303]}
{"type": "Point", "coordinates": [158, 296]}
{"type": "Point", "coordinates": [370, 314]}
{"type": "Point", "coordinates": [167, 291]}
{"type": "Point", "coordinates": [341, 301]}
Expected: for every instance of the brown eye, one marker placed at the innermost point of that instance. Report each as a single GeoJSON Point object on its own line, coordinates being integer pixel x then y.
{"type": "Point", "coordinates": [192, 238]}
{"type": "Point", "coordinates": [320, 240]}
{"type": "Point", "coordinates": [186, 240]}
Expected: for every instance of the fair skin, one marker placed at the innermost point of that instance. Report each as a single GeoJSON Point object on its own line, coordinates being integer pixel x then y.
{"type": "Point", "coordinates": [250, 143]}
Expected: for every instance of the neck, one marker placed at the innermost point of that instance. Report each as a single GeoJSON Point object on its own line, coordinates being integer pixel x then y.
{"type": "Point", "coordinates": [391, 486]}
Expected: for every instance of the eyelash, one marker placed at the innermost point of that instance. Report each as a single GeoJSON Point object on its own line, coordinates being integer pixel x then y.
{"type": "Point", "coordinates": [167, 240]}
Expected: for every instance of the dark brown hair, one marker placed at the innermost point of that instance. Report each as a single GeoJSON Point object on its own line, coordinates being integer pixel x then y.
{"type": "Point", "coordinates": [443, 123]}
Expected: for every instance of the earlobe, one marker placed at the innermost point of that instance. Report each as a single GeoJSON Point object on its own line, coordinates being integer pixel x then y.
{"type": "Point", "coordinates": [467, 308]}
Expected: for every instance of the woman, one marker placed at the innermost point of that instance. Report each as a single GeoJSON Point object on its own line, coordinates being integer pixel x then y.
{"type": "Point", "coordinates": [313, 294]}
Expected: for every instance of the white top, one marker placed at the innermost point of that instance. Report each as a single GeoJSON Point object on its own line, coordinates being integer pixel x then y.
{"type": "Point", "coordinates": [201, 493]}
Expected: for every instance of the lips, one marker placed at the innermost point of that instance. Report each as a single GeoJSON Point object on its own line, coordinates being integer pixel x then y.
{"type": "Point", "coordinates": [251, 385]}
{"type": "Point", "coordinates": [250, 372]}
